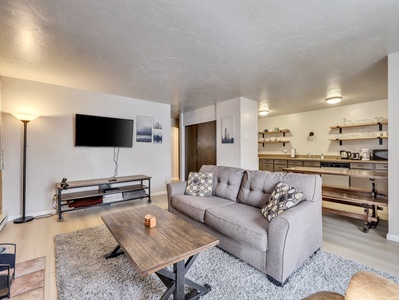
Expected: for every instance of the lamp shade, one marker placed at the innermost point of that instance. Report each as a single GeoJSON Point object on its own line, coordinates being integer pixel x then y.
{"type": "Point", "coordinates": [25, 117]}
{"type": "Point", "coordinates": [263, 112]}
{"type": "Point", "coordinates": [333, 100]}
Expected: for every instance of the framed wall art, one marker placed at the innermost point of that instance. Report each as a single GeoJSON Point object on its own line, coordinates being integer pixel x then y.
{"type": "Point", "coordinates": [144, 129]}
{"type": "Point", "coordinates": [157, 134]}
{"type": "Point", "coordinates": [227, 130]}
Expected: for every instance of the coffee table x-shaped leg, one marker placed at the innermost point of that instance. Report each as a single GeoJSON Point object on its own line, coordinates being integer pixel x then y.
{"type": "Point", "coordinates": [175, 280]}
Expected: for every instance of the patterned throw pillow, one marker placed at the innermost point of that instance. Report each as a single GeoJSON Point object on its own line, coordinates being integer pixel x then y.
{"type": "Point", "coordinates": [282, 198]}
{"type": "Point", "coordinates": [199, 184]}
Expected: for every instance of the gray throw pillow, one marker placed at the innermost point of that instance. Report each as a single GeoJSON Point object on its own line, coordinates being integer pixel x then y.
{"type": "Point", "coordinates": [282, 198]}
{"type": "Point", "coordinates": [199, 184]}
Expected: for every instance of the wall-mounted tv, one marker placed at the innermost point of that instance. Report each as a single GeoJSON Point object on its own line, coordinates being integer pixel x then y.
{"type": "Point", "coordinates": [97, 131]}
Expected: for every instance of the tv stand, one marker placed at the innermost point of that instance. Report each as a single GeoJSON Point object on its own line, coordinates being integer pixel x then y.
{"type": "Point", "coordinates": [127, 187]}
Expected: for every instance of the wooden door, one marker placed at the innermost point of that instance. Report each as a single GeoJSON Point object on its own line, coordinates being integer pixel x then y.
{"type": "Point", "coordinates": [191, 156]}
{"type": "Point", "coordinates": [200, 146]}
{"type": "Point", "coordinates": [206, 144]}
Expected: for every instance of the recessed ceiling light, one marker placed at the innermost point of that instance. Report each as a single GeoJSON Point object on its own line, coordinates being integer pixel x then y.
{"type": "Point", "coordinates": [333, 100]}
{"type": "Point", "coordinates": [263, 112]}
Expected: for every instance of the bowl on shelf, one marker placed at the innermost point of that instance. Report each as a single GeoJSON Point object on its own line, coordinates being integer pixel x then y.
{"type": "Point", "coordinates": [273, 139]}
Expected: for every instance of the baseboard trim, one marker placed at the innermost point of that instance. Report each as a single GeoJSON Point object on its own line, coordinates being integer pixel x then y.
{"type": "Point", "coordinates": [159, 193]}
{"type": "Point", "coordinates": [392, 237]}
{"type": "Point", "coordinates": [36, 214]}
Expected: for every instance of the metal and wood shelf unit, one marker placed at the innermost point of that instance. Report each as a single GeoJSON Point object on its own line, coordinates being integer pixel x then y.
{"type": "Point", "coordinates": [369, 199]}
{"type": "Point", "coordinates": [340, 127]}
{"type": "Point", "coordinates": [102, 187]}
{"type": "Point", "coordinates": [284, 131]}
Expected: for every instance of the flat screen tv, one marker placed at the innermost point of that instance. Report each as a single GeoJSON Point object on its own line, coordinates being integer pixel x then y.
{"type": "Point", "coordinates": [97, 131]}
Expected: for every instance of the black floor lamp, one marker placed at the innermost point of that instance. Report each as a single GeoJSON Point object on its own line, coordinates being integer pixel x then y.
{"type": "Point", "coordinates": [25, 118]}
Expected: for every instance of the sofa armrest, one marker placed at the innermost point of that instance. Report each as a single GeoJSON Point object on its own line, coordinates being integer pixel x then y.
{"type": "Point", "coordinates": [293, 236]}
{"type": "Point", "coordinates": [174, 188]}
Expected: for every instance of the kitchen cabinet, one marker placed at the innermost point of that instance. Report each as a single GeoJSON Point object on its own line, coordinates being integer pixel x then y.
{"type": "Point", "coordinates": [295, 163]}
{"type": "Point", "coordinates": [267, 135]}
{"type": "Point", "coordinates": [280, 164]}
{"type": "Point", "coordinates": [311, 164]}
{"type": "Point", "coordinates": [360, 135]}
{"type": "Point", "coordinates": [266, 165]}
{"type": "Point", "coordinates": [276, 165]}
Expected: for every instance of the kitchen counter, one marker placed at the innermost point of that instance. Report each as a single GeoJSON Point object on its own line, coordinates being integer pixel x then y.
{"type": "Point", "coordinates": [317, 158]}
{"type": "Point", "coordinates": [341, 172]}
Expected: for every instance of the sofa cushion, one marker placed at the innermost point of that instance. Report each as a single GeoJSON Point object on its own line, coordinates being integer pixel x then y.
{"type": "Point", "coordinates": [241, 222]}
{"type": "Point", "coordinates": [195, 206]}
{"type": "Point", "coordinates": [257, 186]}
{"type": "Point", "coordinates": [282, 198]}
{"type": "Point", "coordinates": [199, 184]}
{"type": "Point", "coordinates": [227, 180]}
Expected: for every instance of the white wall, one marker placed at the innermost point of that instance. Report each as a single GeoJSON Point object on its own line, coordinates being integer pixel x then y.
{"type": "Point", "coordinates": [51, 154]}
{"type": "Point", "coordinates": [228, 154]}
{"type": "Point", "coordinates": [243, 153]}
{"type": "Point", "coordinates": [202, 115]}
{"type": "Point", "coordinates": [175, 153]}
{"type": "Point", "coordinates": [319, 121]}
{"type": "Point", "coordinates": [249, 141]}
{"type": "Point", "coordinates": [393, 160]}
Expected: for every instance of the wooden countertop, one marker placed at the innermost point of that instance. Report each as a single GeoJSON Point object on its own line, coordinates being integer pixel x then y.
{"type": "Point", "coordinates": [317, 158]}
{"type": "Point", "coordinates": [338, 171]}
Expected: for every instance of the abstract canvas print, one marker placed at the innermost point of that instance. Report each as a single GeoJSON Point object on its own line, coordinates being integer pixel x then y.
{"type": "Point", "coordinates": [144, 129]}
{"type": "Point", "coordinates": [157, 135]}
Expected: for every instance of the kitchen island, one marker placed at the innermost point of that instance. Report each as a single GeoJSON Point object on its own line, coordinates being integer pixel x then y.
{"type": "Point", "coordinates": [369, 199]}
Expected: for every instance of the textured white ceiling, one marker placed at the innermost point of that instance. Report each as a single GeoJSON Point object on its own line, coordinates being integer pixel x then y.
{"type": "Point", "coordinates": [288, 55]}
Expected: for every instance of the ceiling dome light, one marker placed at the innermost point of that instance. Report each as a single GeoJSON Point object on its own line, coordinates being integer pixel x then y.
{"type": "Point", "coordinates": [333, 100]}
{"type": "Point", "coordinates": [263, 112]}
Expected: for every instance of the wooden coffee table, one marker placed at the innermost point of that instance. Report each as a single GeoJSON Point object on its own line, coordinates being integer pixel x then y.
{"type": "Point", "coordinates": [151, 250]}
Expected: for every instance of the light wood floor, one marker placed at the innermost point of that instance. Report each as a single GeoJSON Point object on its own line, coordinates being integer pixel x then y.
{"type": "Point", "coordinates": [341, 236]}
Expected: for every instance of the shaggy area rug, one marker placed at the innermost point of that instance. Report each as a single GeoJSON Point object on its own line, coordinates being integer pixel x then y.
{"type": "Point", "coordinates": [82, 272]}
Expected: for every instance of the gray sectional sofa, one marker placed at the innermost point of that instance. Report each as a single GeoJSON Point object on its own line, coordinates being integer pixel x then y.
{"type": "Point", "coordinates": [233, 214]}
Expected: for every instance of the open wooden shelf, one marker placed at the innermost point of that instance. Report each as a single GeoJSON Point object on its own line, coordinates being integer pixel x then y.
{"type": "Point", "coordinates": [340, 127]}
{"type": "Point", "coordinates": [271, 132]}
{"type": "Point", "coordinates": [379, 138]}
{"type": "Point", "coordinates": [284, 131]}
{"type": "Point", "coordinates": [358, 125]}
